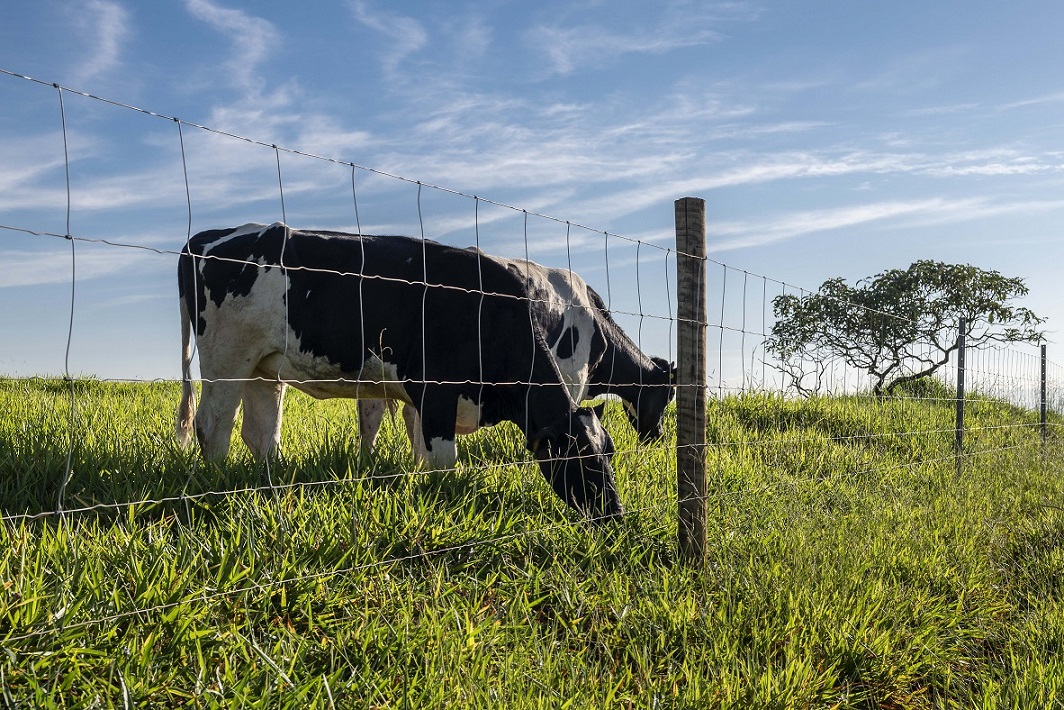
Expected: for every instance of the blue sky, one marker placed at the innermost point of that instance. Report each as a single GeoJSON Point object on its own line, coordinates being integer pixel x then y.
{"type": "Point", "coordinates": [829, 139]}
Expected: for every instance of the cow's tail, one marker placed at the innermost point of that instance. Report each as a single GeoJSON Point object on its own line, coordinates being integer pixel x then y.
{"type": "Point", "coordinates": [186, 411]}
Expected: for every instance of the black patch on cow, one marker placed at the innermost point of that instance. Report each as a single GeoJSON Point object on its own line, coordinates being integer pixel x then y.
{"type": "Point", "coordinates": [237, 278]}
{"type": "Point", "coordinates": [229, 272]}
{"type": "Point", "coordinates": [190, 285]}
{"type": "Point", "coordinates": [567, 342]}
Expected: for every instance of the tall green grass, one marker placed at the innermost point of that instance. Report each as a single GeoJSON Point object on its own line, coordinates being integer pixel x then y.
{"type": "Point", "coordinates": [849, 565]}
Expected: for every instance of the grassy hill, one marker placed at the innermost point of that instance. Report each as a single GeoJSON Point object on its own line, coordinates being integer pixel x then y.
{"type": "Point", "coordinates": [849, 565]}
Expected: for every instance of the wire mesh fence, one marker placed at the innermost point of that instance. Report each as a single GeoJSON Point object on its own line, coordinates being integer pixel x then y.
{"type": "Point", "coordinates": [95, 248]}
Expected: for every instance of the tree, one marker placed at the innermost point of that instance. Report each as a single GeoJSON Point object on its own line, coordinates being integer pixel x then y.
{"type": "Point", "coordinates": [898, 326]}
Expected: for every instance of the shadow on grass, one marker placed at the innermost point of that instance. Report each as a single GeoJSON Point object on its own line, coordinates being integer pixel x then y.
{"type": "Point", "coordinates": [38, 476]}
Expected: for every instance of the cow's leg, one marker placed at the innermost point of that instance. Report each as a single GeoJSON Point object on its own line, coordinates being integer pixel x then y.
{"type": "Point", "coordinates": [413, 432]}
{"type": "Point", "coordinates": [216, 416]}
{"type": "Point", "coordinates": [467, 421]}
{"type": "Point", "coordinates": [439, 409]}
{"type": "Point", "coordinates": [370, 415]}
{"type": "Point", "coordinates": [261, 430]}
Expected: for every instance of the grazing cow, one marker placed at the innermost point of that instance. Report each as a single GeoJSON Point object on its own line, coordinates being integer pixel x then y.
{"type": "Point", "coordinates": [594, 355]}
{"type": "Point", "coordinates": [444, 330]}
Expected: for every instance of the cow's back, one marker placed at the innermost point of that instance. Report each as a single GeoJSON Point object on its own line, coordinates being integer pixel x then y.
{"type": "Point", "coordinates": [328, 301]}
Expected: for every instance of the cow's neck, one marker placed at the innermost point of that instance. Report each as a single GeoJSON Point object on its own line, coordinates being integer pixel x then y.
{"type": "Point", "coordinates": [543, 400]}
{"type": "Point", "coordinates": [623, 367]}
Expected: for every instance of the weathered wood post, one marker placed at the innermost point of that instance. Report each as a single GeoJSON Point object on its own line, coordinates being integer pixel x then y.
{"type": "Point", "coordinates": [691, 378]}
{"type": "Point", "coordinates": [959, 443]}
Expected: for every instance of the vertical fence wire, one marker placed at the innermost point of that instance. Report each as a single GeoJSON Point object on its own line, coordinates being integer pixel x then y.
{"type": "Point", "coordinates": [480, 302]}
{"type": "Point", "coordinates": [186, 374]}
{"type": "Point", "coordinates": [68, 471]}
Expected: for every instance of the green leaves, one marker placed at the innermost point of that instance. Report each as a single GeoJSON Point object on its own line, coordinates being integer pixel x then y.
{"type": "Point", "coordinates": [899, 325]}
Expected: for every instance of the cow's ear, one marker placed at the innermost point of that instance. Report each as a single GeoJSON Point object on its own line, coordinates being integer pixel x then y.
{"type": "Point", "coordinates": [599, 410]}
{"type": "Point", "coordinates": [539, 440]}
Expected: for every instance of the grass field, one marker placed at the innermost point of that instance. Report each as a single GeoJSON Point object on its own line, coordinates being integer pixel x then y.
{"type": "Point", "coordinates": [849, 565]}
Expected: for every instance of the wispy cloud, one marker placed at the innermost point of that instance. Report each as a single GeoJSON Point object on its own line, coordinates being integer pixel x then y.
{"type": "Point", "coordinates": [252, 37]}
{"type": "Point", "coordinates": [744, 168]}
{"type": "Point", "coordinates": [1053, 98]}
{"type": "Point", "coordinates": [918, 71]}
{"type": "Point", "coordinates": [405, 35]}
{"type": "Point", "coordinates": [588, 44]}
{"type": "Point", "coordinates": [908, 213]}
{"type": "Point", "coordinates": [105, 26]}
{"type": "Point", "coordinates": [939, 110]}
{"type": "Point", "coordinates": [472, 37]}
{"type": "Point", "coordinates": [36, 268]}
{"type": "Point", "coordinates": [738, 235]}
{"type": "Point", "coordinates": [26, 161]}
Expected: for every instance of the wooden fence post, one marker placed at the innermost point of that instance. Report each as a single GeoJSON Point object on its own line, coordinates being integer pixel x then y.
{"type": "Point", "coordinates": [691, 378]}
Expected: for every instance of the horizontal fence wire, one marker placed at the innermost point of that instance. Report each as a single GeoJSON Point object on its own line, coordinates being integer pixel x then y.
{"type": "Point", "coordinates": [742, 370]}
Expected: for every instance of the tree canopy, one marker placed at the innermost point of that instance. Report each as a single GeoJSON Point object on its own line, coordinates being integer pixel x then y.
{"type": "Point", "coordinates": [898, 326]}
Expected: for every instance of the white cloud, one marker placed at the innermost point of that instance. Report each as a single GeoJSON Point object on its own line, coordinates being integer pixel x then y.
{"type": "Point", "coordinates": [928, 212]}
{"type": "Point", "coordinates": [37, 268]}
{"type": "Point", "coordinates": [27, 160]}
{"type": "Point", "coordinates": [472, 37]}
{"type": "Point", "coordinates": [105, 25]}
{"type": "Point", "coordinates": [252, 38]}
{"type": "Point", "coordinates": [738, 235]}
{"type": "Point", "coordinates": [1026, 167]}
{"type": "Point", "coordinates": [752, 169]}
{"type": "Point", "coordinates": [405, 35]}
{"type": "Point", "coordinates": [570, 48]}
{"type": "Point", "coordinates": [939, 110]}
{"type": "Point", "coordinates": [676, 25]}
{"type": "Point", "coordinates": [1056, 97]}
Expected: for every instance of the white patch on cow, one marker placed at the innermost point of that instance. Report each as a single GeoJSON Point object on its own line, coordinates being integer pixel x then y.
{"type": "Point", "coordinates": [246, 337]}
{"type": "Point", "coordinates": [468, 420]}
{"type": "Point", "coordinates": [595, 431]}
{"type": "Point", "coordinates": [442, 454]}
{"type": "Point", "coordinates": [250, 227]}
{"type": "Point", "coordinates": [566, 297]}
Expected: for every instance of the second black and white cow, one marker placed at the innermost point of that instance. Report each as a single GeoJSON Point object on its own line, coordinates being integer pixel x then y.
{"type": "Point", "coordinates": [444, 330]}
{"type": "Point", "coordinates": [594, 355]}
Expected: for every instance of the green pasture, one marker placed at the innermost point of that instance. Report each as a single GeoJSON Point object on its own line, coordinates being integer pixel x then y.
{"type": "Point", "coordinates": [849, 565]}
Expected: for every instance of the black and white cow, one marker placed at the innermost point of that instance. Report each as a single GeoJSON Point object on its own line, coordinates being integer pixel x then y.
{"type": "Point", "coordinates": [594, 355]}
{"type": "Point", "coordinates": [337, 315]}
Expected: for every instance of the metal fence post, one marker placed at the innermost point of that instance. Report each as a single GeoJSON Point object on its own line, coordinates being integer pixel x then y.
{"type": "Point", "coordinates": [959, 445]}
{"type": "Point", "coordinates": [691, 378]}
{"type": "Point", "coordinates": [1044, 395]}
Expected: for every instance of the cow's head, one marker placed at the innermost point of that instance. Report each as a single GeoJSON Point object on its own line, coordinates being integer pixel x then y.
{"type": "Point", "coordinates": [574, 456]}
{"type": "Point", "coordinates": [647, 412]}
